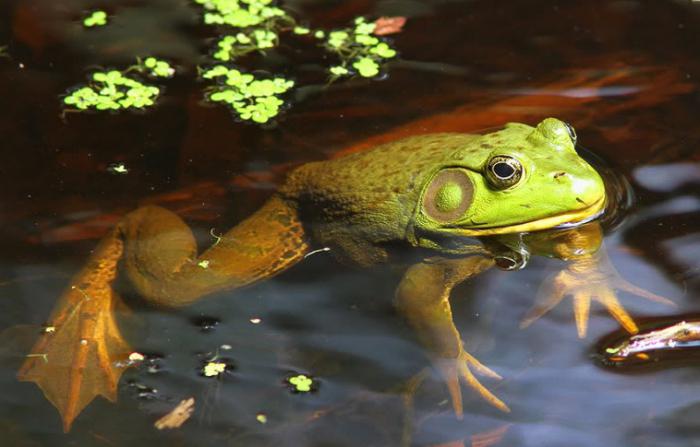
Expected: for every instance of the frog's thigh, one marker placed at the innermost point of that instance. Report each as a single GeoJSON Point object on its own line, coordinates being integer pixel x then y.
{"type": "Point", "coordinates": [423, 299]}
{"type": "Point", "coordinates": [157, 242]}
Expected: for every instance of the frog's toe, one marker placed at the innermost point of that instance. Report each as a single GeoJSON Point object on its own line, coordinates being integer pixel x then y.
{"type": "Point", "coordinates": [455, 369]}
{"type": "Point", "coordinates": [549, 296]}
{"type": "Point", "coordinates": [631, 288]}
{"type": "Point", "coordinates": [487, 395]}
{"type": "Point", "coordinates": [607, 298]}
{"type": "Point", "coordinates": [480, 367]}
{"type": "Point", "coordinates": [582, 309]}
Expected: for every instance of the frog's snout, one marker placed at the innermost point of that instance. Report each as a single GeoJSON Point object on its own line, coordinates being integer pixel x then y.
{"type": "Point", "coordinates": [585, 188]}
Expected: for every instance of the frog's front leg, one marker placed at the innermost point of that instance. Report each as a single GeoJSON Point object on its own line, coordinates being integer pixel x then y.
{"type": "Point", "coordinates": [423, 298]}
{"type": "Point", "coordinates": [589, 275]}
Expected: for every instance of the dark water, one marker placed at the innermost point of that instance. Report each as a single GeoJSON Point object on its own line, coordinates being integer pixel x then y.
{"type": "Point", "coordinates": [624, 73]}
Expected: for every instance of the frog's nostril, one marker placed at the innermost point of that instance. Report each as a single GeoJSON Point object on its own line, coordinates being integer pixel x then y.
{"type": "Point", "coordinates": [558, 175]}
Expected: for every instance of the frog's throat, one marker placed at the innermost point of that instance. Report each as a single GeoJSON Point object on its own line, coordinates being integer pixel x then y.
{"type": "Point", "coordinates": [570, 218]}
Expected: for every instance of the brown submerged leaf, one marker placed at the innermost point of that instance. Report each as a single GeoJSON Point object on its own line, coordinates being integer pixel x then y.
{"type": "Point", "coordinates": [178, 416]}
{"type": "Point", "coordinates": [388, 25]}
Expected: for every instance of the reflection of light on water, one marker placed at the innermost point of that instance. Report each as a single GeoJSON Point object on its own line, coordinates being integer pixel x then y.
{"type": "Point", "coordinates": [678, 205]}
{"type": "Point", "coordinates": [581, 92]}
{"type": "Point", "coordinates": [685, 250]}
{"type": "Point", "coordinates": [666, 178]}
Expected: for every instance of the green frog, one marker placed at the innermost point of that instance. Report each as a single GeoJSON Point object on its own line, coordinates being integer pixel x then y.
{"type": "Point", "coordinates": [468, 201]}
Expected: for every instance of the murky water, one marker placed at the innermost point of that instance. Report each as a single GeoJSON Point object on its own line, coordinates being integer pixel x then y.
{"type": "Point", "coordinates": [624, 73]}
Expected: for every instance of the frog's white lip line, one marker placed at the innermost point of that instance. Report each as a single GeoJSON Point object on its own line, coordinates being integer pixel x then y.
{"type": "Point", "coordinates": [568, 218]}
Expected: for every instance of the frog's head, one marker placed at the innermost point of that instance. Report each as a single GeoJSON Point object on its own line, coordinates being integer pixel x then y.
{"type": "Point", "coordinates": [518, 179]}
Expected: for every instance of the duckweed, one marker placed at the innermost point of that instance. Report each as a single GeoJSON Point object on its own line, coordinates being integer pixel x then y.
{"type": "Point", "coordinates": [366, 67]}
{"type": "Point", "coordinates": [338, 70]}
{"type": "Point", "coordinates": [96, 18]}
{"type": "Point", "coordinates": [301, 30]}
{"type": "Point", "coordinates": [111, 90]}
{"type": "Point", "coordinates": [301, 383]}
{"type": "Point", "coordinates": [360, 52]}
{"type": "Point", "coordinates": [214, 369]}
{"type": "Point", "coordinates": [253, 26]}
{"type": "Point", "coordinates": [232, 46]}
{"type": "Point", "coordinates": [157, 68]}
{"type": "Point", "coordinates": [250, 98]}
{"type": "Point", "coordinates": [118, 168]}
{"type": "Point", "coordinates": [242, 13]}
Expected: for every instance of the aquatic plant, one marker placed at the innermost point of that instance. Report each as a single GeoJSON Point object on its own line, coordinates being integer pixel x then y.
{"type": "Point", "coordinates": [359, 50]}
{"type": "Point", "coordinates": [301, 383]}
{"type": "Point", "coordinates": [156, 68]}
{"type": "Point", "coordinates": [254, 26]}
{"type": "Point", "coordinates": [259, 24]}
{"type": "Point", "coordinates": [118, 168]}
{"type": "Point", "coordinates": [214, 369]}
{"type": "Point", "coordinates": [251, 98]}
{"type": "Point", "coordinates": [96, 18]}
{"type": "Point", "coordinates": [233, 46]}
{"type": "Point", "coordinates": [112, 90]}
{"type": "Point", "coordinates": [244, 13]}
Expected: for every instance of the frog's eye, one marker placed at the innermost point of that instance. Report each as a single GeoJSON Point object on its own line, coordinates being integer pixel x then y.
{"type": "Point", "coordinates": [503, 171]}
{"type": "Point", "coordinates": [448, 195]}
{"type": "Point", "coordinates": [572, 133]}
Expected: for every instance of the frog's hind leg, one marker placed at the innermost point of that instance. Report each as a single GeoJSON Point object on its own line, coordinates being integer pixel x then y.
{"type": "Point", "coordinates": [161, 258]}
{"type": "Point", "coordinates": [81, 351]}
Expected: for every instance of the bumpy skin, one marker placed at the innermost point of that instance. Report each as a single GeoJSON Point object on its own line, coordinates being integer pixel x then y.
{"type": "Point", "coordinates": [440, 192]}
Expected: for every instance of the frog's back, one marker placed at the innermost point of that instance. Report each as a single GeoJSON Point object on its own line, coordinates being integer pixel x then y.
{"type": "Point", "coordinates": [369, 198]}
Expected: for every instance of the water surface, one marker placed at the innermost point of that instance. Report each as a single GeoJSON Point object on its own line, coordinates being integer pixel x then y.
{"type": "Point", "coordinates": [624, 73]}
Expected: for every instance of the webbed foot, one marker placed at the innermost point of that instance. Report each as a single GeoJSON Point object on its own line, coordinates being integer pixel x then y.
{"type": "Point", "coordinates": [81, 353]}
{"type": "Point", "coordinates": [585, 281]}
{"type": "Point", "coordinates": [458, 369]}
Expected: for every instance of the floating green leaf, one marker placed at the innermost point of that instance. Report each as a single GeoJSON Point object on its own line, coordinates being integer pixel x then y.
{"type": "Point", "coordinates": [251, 99]}
{"type": "Point", "coordinates": [366, 67]}
{"type": "Point", "coordinates": [157, 68]}
{"type": "Point", "coordinates": [111, 90]}
{"type": "Point", "coordinates": [96, 18]}
{"type": "Point", "coordinates": [301, 383]}
{"type": "Point", "coordinates": [383, 50]}
{"type": "Point", "coordinates": [339, 70]}
{"type": "Point", "coordinates": [243, 13]}
{"type": "Point", "coordinates": [336, 39]}
{"type": "Point", "coordinates": [360, 52]}
{"type": "Point", "coordinates": [228, 48]}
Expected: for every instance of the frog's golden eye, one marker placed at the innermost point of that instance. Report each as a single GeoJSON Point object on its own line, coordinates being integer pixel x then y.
{"type": "Point", "coordinates": [448, 195]}
{"type": "Point", "coordinates": [503, 171]}
{"type": "Point", "coordinates": [572, 133]}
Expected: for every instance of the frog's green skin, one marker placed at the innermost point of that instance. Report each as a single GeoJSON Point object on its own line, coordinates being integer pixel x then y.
{"type": "Point", "coordinates": [434, 191]}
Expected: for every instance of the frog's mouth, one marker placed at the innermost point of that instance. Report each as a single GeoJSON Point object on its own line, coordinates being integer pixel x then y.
{"type": "Point", "coordinates": [563, 220]}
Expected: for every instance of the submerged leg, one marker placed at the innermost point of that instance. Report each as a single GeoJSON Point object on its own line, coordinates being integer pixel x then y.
{"type": "Point", "coordinates": [82, 353]}
{"type": "Point", "coordinates": [423, 298]}
{"type": "Point", "coordinates": [79, 354]}
{"type": "Point", "coordinates": [588, 276]}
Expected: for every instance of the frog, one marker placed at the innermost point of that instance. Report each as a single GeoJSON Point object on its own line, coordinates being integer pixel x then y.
{"type": "Point", "coordinates": [465, 202]}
